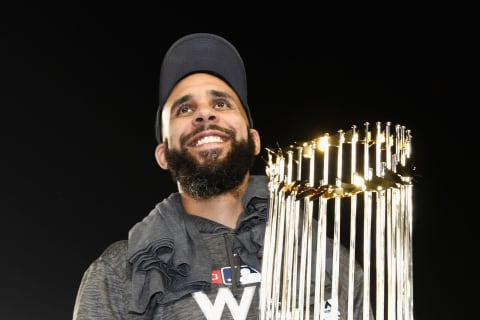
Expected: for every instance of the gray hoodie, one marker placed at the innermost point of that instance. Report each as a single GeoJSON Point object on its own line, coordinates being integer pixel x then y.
{"type": "Point", "coordinates": [180, 266]}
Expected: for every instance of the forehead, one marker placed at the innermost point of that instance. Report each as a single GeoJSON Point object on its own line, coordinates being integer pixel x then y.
{"type": "Point", "coordinates": [200, 81]}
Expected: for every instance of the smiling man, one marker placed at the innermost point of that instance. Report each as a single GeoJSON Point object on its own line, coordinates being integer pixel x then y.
{"type": "Point", "coordinates": [184, 260]}
{"type": "Point", "coordinates": [208, 146]}
{"type": "Point", "coordinates": [198, 253]}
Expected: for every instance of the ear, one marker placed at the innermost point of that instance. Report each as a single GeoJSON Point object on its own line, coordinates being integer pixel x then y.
{"type": "Point", "coordinates": [160, 156]}
{"type": "Point", "coordinates": [256, 139]}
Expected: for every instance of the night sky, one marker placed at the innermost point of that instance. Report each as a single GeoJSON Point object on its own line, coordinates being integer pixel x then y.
{"type": "Point", "coordinates": [78, 101]}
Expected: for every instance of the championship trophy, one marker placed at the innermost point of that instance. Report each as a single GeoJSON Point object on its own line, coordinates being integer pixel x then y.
{"type": "Point", "coordinates": [350, 190]}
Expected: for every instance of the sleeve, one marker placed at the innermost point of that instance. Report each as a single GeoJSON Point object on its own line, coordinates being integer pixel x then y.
{"type": "Point", "coordinates": [102, 291]}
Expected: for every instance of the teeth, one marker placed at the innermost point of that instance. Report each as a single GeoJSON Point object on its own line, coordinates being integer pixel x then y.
{"type": "Point", "coordinates": [208, 140]}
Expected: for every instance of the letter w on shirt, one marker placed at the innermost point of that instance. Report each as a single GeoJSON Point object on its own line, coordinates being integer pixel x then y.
{"type": "Point", "coordinates": [225, 297]}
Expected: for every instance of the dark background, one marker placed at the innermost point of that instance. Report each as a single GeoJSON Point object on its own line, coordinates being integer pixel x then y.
{"type": "Point", "coordinates": [78, 100]}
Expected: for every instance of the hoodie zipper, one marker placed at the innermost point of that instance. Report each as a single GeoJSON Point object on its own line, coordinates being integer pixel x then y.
{"type": "Point", "coordinates": [234, 262]}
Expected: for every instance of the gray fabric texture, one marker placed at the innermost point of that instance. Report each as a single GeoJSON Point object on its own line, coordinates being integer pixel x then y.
{"type": "Point", "coordinates": [166, 265]}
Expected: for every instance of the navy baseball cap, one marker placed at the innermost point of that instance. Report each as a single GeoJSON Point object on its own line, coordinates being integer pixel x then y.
{"type": "Point", "coordinates": [201, 52]}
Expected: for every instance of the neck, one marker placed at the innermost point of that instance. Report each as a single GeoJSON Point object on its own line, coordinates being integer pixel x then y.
{"type": "Point", "coordinates": [224, 208]}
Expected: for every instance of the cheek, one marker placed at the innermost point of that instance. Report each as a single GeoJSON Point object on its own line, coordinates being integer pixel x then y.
{"type": "Point", "coordinates": [242, 129]}
{"type": "Point", "coordinates": [240, 124]}
{"type": "Point", "coordinates": [174, 134]}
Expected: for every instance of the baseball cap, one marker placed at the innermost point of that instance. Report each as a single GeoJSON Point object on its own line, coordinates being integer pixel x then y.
{"type": "Point", "coordinates": [201, 52]}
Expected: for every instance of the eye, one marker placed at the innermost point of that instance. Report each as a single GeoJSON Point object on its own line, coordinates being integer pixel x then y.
{"type": "Point", "coordinates": [221, 104]}
{"type": "Point", "coordinates": [183, 109]}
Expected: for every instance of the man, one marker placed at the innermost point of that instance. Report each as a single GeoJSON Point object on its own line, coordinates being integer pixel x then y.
{"type": "Point", "coordinates": [198, 254]}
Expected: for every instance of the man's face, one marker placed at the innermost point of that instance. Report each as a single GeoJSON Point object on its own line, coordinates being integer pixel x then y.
{"type": "Point", "coordinates": [203, 114]}
{"type": "Point", "coordinates": [208, 145]}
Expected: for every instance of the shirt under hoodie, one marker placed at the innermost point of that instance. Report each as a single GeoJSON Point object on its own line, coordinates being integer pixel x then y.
{"type": "Point", "coordinates": [180, 266]}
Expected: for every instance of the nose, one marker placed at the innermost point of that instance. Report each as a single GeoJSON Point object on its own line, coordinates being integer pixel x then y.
{"type": "Point", "coordinates": [204, 114]}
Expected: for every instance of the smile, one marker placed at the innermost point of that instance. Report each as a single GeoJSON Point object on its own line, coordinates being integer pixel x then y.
{"type": "Point", "coordinates": [208, 139]}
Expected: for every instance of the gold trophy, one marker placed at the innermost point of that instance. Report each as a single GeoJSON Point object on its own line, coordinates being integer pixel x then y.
{"type": "Point", "coordinates": [354, 188]}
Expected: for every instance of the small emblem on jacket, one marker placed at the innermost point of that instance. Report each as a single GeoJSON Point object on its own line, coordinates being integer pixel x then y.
{"type": "Point", "coordinates": [247, 275]}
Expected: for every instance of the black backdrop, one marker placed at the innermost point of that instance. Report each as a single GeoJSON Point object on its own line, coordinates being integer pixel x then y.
{"type": "Point", "coordinates": [78, 99]}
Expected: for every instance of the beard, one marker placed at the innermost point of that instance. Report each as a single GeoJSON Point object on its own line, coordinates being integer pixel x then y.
{"type": "Point", "coordinates": [213, 177]}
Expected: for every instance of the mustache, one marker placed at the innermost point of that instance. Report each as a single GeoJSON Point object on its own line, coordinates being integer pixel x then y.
{"type": "Point", "coordinates": [185, 138]}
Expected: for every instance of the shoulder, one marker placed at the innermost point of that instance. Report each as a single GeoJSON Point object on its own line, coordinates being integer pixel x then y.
{"type": "Point", "coordinates": [257, 188]}
{"type": "Point", "coordinates": [258, 181]}
{"type": "Point", "coordinates": [104, 289]}
{"type": "Point", "coordinates": [115, 255]}
{"type": "Point", "coordinates": [115, 251]}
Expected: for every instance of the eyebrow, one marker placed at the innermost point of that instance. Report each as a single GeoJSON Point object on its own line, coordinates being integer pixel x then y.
{"type": "Point", "coordinates": [213, 93]}
{"type": "Point", "coordinates": [219, 94]}
{"type": "Point", "coordinates": [181, 101]}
